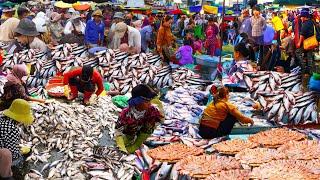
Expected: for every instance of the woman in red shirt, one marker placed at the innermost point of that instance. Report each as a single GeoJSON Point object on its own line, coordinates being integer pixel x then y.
{"type": "Point", "coordinates": [83, 79]}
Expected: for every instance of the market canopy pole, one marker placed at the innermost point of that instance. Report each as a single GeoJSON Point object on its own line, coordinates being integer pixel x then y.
{"type": "Point", "coordinates": [221, 34]}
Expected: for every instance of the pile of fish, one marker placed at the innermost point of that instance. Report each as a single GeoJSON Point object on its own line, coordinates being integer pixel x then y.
{"type": "Point", "coordinates": [63, 51]}
{"type": "Point", "coordinates": [184, 104]}
{"type": "Point", "coordinates": [72, 131]}
{"type": "Point", "coordinates": [29, 56]}
{"type": "Point", "coordinates": [285, 107]}
{"type": "Point", "coordinates": [269, 81]}
{"type": "Point", "coordinates": [183, 109]}
{"type": "Point", "coordinates": [121, 70]}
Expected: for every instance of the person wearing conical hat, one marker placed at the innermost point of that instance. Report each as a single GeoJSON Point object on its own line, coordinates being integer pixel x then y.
{"type": "Point", "coordinates": [10, 154]}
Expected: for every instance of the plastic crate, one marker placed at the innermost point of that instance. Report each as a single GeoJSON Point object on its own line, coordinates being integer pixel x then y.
{"type": "Point", "coordinates": [206, 60]}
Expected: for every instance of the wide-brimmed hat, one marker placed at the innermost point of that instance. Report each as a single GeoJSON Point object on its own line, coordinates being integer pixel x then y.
{"type": "Point", "coordinates": [20, 111]}
{"type": "Point", "coordinates": [119, 15]}
{"type": "Point", "coordinates": [120, 29]}
{"type": "Point", "coordinates": [97, 13]}
{"type": "Point", "coordinates": [27, 27]}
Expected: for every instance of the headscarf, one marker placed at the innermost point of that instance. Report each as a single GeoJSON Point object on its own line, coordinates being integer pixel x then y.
{"type": "Point", "coordinates": [40, 21]}
{"type": "Point", "coordinates": [15, 77]}
{"type": "Point", "coordinates": [140, 94]}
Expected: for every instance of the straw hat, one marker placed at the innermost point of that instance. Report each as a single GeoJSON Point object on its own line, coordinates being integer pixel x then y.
{"type": "Point", "coordinates": [97, 13]}
{"type": "Point", "coordinates": [20, 111]}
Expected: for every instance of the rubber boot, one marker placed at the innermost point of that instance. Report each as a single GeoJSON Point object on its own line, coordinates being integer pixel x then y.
{"type": "Point", "coordinates": [74, 93]}
{"type": "Point", "coordinates": [86, 97]}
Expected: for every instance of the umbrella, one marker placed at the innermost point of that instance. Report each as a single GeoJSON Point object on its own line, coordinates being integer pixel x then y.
{"type": "Point", "coordinates": [62, 5]}
{"type": "Point", "coordinates": [81, 7]}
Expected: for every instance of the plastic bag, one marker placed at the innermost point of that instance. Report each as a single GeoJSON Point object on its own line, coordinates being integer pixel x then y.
{"type": "Point", "coordinates": [314, 85]}
{"type": "Point", "coordinates": [228, 48]}
{"type": "Point", "coordinates": [106, 86]}
{"type": "Point", "coordinates": [120, 101]}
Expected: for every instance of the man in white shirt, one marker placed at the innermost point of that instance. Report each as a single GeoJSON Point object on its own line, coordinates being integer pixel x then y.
{"type": "Point", "coordinates": [127, 36]}
{"type": "Point", "coordinates": [75, 25]}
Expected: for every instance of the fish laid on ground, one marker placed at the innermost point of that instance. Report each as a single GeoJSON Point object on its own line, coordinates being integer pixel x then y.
{"type": "Point", "coordinates": [75, 130]}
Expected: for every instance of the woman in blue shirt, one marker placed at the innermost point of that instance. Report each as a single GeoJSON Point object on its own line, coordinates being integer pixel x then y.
{"type": "Point", "coordinates": [94, 33]}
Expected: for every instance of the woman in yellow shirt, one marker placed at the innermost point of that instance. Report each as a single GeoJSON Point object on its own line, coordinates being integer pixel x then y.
{"type": "Point", "coordinates": [220, 116]}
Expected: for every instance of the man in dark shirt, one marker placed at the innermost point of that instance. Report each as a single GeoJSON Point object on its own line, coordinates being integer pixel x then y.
{"type": "Point", "coordinates": [307, 30]}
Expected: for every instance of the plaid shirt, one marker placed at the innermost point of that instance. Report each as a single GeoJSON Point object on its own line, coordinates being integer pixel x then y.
{"type": "Point", "coordinates": [258, 25]}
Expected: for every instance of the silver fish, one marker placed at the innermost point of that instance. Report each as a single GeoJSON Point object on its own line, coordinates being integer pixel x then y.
{"type": "Point", "coordinates": [297, 119]}
{"type": "Point", "coordinates": [164, 171]}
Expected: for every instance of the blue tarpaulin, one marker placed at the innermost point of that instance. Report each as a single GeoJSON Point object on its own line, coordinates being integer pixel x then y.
{"type": "Point", "coordinates": [195, 9]}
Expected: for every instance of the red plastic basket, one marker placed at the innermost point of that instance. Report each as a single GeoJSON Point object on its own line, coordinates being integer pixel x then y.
{"type": "Point", "coordinates": [53, 85]}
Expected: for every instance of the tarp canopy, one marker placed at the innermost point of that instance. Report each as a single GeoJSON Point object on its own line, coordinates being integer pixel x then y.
{"type": "Point", "coordinates": [210, 9]}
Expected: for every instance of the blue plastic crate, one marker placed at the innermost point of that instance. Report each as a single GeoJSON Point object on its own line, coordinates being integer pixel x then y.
{"type": "Point", "coordinates": [206, 60]}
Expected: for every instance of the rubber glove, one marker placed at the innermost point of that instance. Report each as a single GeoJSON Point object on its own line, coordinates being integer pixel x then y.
{"type": "Point", "coordinates": [93, 98]}
{"type": "Point", "coordinates": [66, 91]}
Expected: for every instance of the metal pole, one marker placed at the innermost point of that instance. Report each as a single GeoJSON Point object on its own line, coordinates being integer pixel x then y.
{"type": "Point", "coordinates": [223, 12]}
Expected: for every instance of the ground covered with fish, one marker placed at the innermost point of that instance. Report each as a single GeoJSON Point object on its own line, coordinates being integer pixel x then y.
{"type": "Point", "coordinates": [66, 142]}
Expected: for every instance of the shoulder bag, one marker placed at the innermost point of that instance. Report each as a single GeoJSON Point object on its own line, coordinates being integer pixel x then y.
{"type": "Point", "coordinates": [311, 42]}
